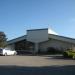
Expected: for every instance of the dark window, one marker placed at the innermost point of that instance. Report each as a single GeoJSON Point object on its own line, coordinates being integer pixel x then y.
{"type": "Point", "coordinates": [0, 50]}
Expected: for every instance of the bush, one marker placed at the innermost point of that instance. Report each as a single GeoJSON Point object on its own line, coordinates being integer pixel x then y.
{"type": "Point", "coordinates": [65, 54]}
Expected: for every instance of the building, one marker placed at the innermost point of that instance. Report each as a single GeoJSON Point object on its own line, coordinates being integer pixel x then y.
{"type": "Point", "coordinates": [40, 40]}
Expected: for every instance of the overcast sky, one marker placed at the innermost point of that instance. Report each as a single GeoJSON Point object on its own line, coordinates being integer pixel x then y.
{"type": "Point", "coordinates": [17, 16]}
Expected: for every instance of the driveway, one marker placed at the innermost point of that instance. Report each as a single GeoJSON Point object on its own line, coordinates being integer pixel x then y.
{"type": "Point", "coordinates": [36, 65]}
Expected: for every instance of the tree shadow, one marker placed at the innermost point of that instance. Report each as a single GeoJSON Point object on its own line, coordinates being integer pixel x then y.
{"type": "Point", "coordinates": [45, 70]}
{"type": "Point", "coordinates": [61, 57]}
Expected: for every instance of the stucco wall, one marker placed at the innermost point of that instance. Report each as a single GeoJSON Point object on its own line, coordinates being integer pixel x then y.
{"type": "Point", "coordinates": [60, 45]}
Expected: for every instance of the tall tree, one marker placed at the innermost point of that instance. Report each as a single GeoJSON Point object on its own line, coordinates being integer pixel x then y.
{"type": "Point", "coordinates": [3, 39]}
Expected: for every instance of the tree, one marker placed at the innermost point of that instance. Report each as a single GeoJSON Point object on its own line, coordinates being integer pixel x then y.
{"type": "Point", "coordinates": [3, 39]}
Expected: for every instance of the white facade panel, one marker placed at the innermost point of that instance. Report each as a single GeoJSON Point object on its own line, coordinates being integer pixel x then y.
{"type": "Point", "coordinates": [37, 35]}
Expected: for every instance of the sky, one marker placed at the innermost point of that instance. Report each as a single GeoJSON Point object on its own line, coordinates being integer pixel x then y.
{"type": "Point", "coordinates": [17, 16]}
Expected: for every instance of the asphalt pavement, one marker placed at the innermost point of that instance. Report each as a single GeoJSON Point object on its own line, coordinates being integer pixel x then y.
{"type": "Point", "coordinates": [36, 65]}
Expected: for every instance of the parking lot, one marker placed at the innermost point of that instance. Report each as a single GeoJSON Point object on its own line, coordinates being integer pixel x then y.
{"type": "Point", "coordinates": [36, 65]}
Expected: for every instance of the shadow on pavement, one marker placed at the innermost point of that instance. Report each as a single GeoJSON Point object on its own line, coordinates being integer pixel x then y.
{"type": "Point", "coordinates": [56, 57]}
{"type": "Point", "coordinates": [45, 70]}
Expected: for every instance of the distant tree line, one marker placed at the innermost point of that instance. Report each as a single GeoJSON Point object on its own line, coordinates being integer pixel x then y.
{"type": "Point", "coordinates": [3, 40]}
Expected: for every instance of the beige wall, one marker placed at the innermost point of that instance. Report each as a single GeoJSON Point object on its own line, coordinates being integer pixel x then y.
{"type": "Point", "coordinates": [60, 45]}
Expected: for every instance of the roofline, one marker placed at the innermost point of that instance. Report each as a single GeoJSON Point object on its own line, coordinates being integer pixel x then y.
{"type": "Point", "coordinates": [67, 39]}
{"type": "Point", "coordinates": [37, 29]}
{"type": "Point", "coordinates": [17, 38]}
{"type": "Point", "coordinates": [58, 37]}
{"type": "Point", "coordinates": [64, 37]}
{"type": "Point", "coordinates": [14, 40]}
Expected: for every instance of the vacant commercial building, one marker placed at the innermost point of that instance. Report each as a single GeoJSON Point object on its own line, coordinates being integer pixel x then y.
{"type": "Point", "coordinates": [40, 40]}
